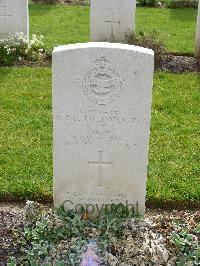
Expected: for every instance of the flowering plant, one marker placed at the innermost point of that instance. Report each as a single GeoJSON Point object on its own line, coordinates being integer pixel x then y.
{"type": "Point", "coordinates": [18, 46]}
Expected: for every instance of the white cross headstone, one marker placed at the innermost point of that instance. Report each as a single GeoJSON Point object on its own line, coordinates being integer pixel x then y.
{"type": "Point", "coordinates": [13, 17]}
{"type": "Point", "coordinates": [197, 48]}
{"type": "Point", "coordinates": [112, 20]}
{"type": "Point", "coordinates": [101, 119]}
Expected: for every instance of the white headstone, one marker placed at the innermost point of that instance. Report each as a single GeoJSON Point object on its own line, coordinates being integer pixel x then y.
{"type": "Point", "coordinates": [14, 17]}
{"type": "Point", "coordinates": [197, 48]}
{"type": "Point", "coordinates": [112, 20]}
{"type": "Point", "coordinates": [101, 119]}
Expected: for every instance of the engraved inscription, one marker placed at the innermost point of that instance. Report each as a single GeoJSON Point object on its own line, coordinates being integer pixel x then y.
{"type": "Point", "coordinates": [4, 15]}
{"type": "Point", "coordinates": [102, 128]}
{"type": "Point", "coordinates": [98, 118]}
{"type": "Point", "coordinates": [97, 197]}
{"type": "Point", "coordinates": [98, 140]}
{"type": "Point", "coordinates": [102, 85]}
{"type": "Point", "coordinates": [100, 165]}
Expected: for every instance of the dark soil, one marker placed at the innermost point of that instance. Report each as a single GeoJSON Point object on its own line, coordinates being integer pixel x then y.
{"type": "Point", "coordinates": [173, 64]}
{"type": "Point", "coordinates": [180, 64]}
{"type": "Point", "coordinates": [10, 221]}
{"type": "Point", "coordinates": [26, 63]}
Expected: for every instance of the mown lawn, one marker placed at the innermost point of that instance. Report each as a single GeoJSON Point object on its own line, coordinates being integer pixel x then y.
{"type": "Point", "coordinates": [26, 136]}
{"type": "Point", "coordinates": [70, 24]}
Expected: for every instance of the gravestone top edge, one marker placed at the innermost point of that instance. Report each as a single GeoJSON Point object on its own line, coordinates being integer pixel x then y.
{"type": "Point", "coordinates": [121, 46]}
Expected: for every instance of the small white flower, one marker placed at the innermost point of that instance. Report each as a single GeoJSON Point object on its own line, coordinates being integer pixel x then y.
{"type": "Point", "coordinates": [8, 50]}
{"type": "Point", "coordinates": [32, 42]}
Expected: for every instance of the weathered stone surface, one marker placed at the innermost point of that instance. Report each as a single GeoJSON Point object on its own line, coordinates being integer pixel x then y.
{"type": "Point", "coordinates": [197, 48]}
{"type": "Point", "coordinates": [14, 17]}
{"type": "Point", "coordinates": [101, 114]}
{"type": "Point", "coordinates": [111, 21]}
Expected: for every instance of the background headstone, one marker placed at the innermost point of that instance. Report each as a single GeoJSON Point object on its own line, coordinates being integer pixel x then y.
{"type": "Point", "coordinates": [101, 114]}
{"type": "Point", "coordinates": [197, 48]}
{"type": "Point", "coordinates": [14, 17]}
{"type": "Point", "coordinates": [111, 21]}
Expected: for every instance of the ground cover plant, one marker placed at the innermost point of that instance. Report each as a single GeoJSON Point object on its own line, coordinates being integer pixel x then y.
{"type": "Point", "coordinates": [70, 24]}
{"type": "Point", "coordinates": [26, 136]}
{"type": "Point", "coordinates": [118, 236]}
{"type": "Point", "coordinates": [151, 40]}
{"type": "Point", "coordinates": [18, 47]}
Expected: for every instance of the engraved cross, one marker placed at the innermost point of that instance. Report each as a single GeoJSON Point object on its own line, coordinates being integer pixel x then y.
{"type": "Point", "coordinates": [5, 16]}
{"type": "Point", "coordinates": [100, 165]}
{"type": "Point", "coordinates": [112, 21]}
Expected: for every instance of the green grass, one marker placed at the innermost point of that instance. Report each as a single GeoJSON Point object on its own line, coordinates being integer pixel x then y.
{"type": "Point", "coordinates": [176, 27]}
{"type": "Point", "coordinates": [175, 140]}
{"type": "Point", "coordinates": [70, 24]}
{"type": "Point", "coordinates": [26, 136]}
